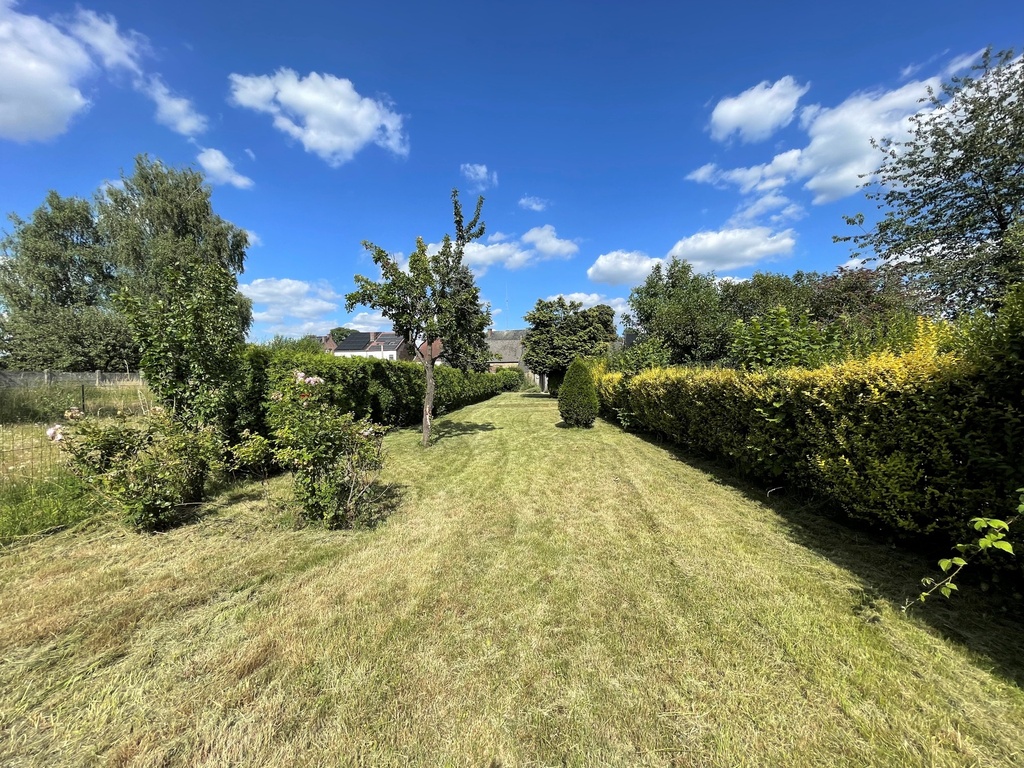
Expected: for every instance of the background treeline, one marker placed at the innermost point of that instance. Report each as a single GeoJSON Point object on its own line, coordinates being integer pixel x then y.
{"type": "Point", "coordinates": [807, 318]}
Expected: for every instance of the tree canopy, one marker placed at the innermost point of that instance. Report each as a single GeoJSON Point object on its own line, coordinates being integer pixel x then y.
{"type": "Point", "coordinates": [682, 308]}
{"type": "Point", "coordinates": [57, 281]}
{"type": "Point", "coordinates": [178, 263]}
{"type": "Point", "coordinates": [434, 300]}
{"type": "Point", "coordinates": [952, 195]}
{"type": "Point", "coordinates": [696, 317]}
{"type": "Point", "coordinates": [560, 331]}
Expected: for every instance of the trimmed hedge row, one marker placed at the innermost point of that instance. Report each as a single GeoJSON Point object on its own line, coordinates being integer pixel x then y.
{"type": "Point", "coordinates": [389, 392]}
{"type": "Point", "coordinates": [917, 444]}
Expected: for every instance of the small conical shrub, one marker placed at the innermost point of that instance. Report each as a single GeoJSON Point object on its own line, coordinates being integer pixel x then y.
{"type": "Point", "coordinates": [577, 397]}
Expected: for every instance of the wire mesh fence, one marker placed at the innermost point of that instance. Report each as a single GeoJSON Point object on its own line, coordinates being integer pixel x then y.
{"type": "Point", "coordinates": [30, 461]}
{"type": "Point", "coordinates": [36, 403]}
{"type": "Point", "coordinates": [27, 455]}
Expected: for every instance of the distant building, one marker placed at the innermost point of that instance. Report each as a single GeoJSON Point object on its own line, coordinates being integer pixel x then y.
{"type": "Point", "coordinates": [506, 349]}
{"type": "Point", "coordinates": [507, 352]}
{"type": "Point", "coordinates": [384, 346]}
{"type": "Point", "coordinates": [327, 342]}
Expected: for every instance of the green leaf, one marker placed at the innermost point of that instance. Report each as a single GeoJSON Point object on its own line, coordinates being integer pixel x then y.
{"type": "Point", "coordinates": [959, 561]}
{"type": "Point", "coordinates": [945, 565]}
{"type": "Point", "coordinates": [1003, 545]}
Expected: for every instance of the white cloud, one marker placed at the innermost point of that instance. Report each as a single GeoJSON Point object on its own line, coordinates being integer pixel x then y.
{"type": "Point", "coordinates": [621, 267]}
{"type": "Point", "coordinates": [250, 153]}
{"type": "Point", "coordinates": [293, 330]}
{"type": "Point", "coordinates": [220, 170]}
{"type": "Point", "coordinates": [733, 248]}
{"type": "Point", "coordinates": [478, 175]}
{"type": "Point", "coordinates": [838, 157]}
{"type": "Point", "coordinates": [323, 112]}
{"type": "Point", "coordinates": [368, 321]}
{"type": "Point", "coordinates": [910, 70]}
{"type": "Point", "coordinates": [100, 34]}
{"type": "Point", "coordinates": [840, 153]}
{"type": "Point", "coordinates": [479, 257]}
{"type": "Point", "coordinates": [547, 243]}
{"type": "Point", "coordinates": [41, 69]}
{"type": "Point", "coordinates": [276, 299]}
{"type": "Point", "coordinates": [780, 208]}
{"type": "Point", "coordinates": [255, 241]}
{"type": "Point", "coordinates": [757, 112]}
{"type": "Point", "coordinates": [174, 112]}
{"type": "Point", "coordinates": [538, 244]}
{"type": "Point", "coordinates": [531, 203]}
{"type": "Point", "coordinates": [43, 63]}
{"type": "Point", "coordinates": [960, 63]}
{"type": "Point", "coordinates": [756, 178]}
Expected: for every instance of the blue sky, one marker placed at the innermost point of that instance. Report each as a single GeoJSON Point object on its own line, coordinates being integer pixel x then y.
{"type": "Point", "coordinates": [603, 135]}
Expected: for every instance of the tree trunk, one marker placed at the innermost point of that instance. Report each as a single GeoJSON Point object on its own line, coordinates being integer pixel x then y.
{"type": "Point", "coordinates": [428, 398]}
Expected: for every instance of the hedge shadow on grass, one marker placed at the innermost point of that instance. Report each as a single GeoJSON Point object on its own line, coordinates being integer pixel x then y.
{"type": "Point", "coordinates": [988, 624]}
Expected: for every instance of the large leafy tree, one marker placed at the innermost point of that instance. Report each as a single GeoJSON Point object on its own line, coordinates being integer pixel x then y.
{"type": "Point", "coordinates": [765, 291]}
{"type": "Point", "coordinates": [952, 195]}
{"type": "Point", "coordinates": [434, 305]}
{"type": "Point", "coordinates": [57, 280]}
{"type": "Point", "coordinates": [560, 331]}
{"type": "Point", "coordinates": [684, 310]}
{"type": "Point", "coordinates": [178, 263]}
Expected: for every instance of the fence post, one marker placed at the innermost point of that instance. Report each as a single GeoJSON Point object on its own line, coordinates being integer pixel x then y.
{"type": "Point", "coordinates": [46, 377]}
{"type": "Point", "coordinates": [97, 378]}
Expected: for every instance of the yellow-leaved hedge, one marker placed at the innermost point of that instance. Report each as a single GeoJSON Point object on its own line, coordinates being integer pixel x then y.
{"type": "Point", "coordinates": [917, 443]}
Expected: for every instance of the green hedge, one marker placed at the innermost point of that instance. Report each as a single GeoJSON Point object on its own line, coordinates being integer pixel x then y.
{"type": "Point", "coordinates": [577, 397]}
{"type": "Point", "coordinates": [388, 392]}
{"type": "Point", "coordinates": [916, 444]}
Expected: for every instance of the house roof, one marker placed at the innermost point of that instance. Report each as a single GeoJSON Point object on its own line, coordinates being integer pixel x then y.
{"type": "Point", "coordinates": [507, 335]}
{"type": "Point", "coordinates": [354, 342]}
{"type": "Point", "coordinates": [507, 350]}
{"type": "Point", "coordinates": [388, 342]}
{"type": "Point", "coordinates": [372, 341]}
{"type": "Point", "coordinates": [437, 348]}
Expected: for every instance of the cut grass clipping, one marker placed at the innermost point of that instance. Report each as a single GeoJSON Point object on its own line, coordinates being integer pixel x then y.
{"type": "Point", "coordinates": [542, 596]}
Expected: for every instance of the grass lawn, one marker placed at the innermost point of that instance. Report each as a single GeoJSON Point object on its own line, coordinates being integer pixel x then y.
{"type": "Point", "coordinates": [542, 597]}
{"type": "Point", "coordinates": [36, 493]}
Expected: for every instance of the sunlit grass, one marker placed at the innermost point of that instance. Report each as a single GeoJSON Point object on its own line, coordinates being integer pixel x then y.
{"type": "Point", "coordinates": [543, 596]}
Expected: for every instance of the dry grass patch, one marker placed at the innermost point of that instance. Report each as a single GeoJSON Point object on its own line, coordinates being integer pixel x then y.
{"type": "Point", "coordinates": [543, 597]}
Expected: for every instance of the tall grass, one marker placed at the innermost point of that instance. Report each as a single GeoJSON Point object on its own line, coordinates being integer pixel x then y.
{"type": "Point", "coordinates": [49, 402]}
{"type": "Point", "coordinates": [36, 492]}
